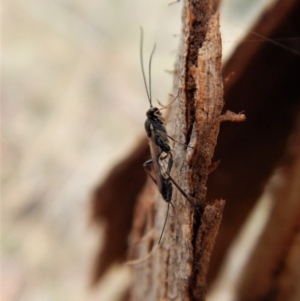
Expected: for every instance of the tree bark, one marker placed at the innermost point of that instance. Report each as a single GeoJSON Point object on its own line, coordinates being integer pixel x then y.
{"type": "Point", "coordinates": [265, 86]}
{"type": "Point", "coordinates": [177, 268]}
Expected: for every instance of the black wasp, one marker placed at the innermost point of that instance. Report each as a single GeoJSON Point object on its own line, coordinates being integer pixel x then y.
{"type": "Point", "coordinates": [159, 145]}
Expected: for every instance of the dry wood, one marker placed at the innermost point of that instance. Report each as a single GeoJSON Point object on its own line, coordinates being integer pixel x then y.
{"type": "Point", "coordinates": [248, 152]}
{"type": "Point", "coordinates": [177, 268]}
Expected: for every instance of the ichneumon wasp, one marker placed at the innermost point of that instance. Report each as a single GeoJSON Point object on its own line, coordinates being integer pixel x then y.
{"type": "Point", "coordinates": [159, 145]}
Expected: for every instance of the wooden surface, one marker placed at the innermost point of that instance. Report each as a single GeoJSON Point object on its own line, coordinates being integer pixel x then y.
{"type": "Point", "coordinates": [177, 268]}
{"type": "Point", "coordinates": [266, 87]}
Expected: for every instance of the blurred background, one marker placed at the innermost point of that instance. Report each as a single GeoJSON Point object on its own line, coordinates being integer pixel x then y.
{"type": "Point", "coordinates": [73, 104]}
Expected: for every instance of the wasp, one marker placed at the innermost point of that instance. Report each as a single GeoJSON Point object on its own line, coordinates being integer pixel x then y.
{"type": "Point", "coordinates": [159, 145]}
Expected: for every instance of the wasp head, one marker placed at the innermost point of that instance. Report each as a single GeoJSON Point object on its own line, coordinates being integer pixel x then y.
{"type": "Point", "coordinates": [153, 112]}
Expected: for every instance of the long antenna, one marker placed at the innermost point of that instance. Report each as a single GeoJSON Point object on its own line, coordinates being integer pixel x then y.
{"type": "Point", "coordinates": [294, 51]}
{"type": "Point", "coordinates": [164, 107]}
{"type": "Point", "coordinates": [163, 229]}
{"type": "Point", "coordinates": [150, 73]}
{"type": "Point", "coordinates": [143, 71]}
{"type": "Point", "coordinates": [181, 191]}
{"type": "Point", "coordinates": [273, 41]}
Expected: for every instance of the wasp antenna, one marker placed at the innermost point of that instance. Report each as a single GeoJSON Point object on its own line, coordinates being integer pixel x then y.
{"type": "Point", "coordinates": [163, 229]}
{"type": "Point", "coordinates": [142, 65]}
{"type": "Point", "coordinates": [164, 107]}
{"type": "Point", "coordinates": [150, 74]}
{"type": "Point", "coordinates": [292, 50]}
{"type": "Point", "coordinates": [160, 103]}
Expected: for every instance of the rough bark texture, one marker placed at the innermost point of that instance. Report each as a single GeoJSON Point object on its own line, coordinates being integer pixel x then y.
{"type": "Point", "coordinates": [265, 86]}
{"type": "Point", "coordinates": [177, 268]}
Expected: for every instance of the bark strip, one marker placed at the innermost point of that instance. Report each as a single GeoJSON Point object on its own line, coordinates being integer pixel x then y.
{"type": "Point", "coordinates": [177, 269]}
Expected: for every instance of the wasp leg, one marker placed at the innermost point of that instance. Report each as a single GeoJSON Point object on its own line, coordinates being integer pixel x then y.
{"type": "Point", "coordinates": [166, 135]}
{"type": "Point", "coordinates": [164, 107]}
{"type": "Point", "coordinates": [163, 229]}
{"type": "Point", "coordinates": [181, 191]}
{"type": "Point", "coordinates": [164, 158]}
{"type": "Point", "coordinates": [145, 165]}
{"type": "Point", "coordinates": [170, 164]}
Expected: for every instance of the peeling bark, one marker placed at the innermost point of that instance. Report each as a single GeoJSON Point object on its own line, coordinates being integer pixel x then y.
{"type": "Point", "coordinates": [177, 268]}
{"type": "Point", "coordinates": [248, 153]}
